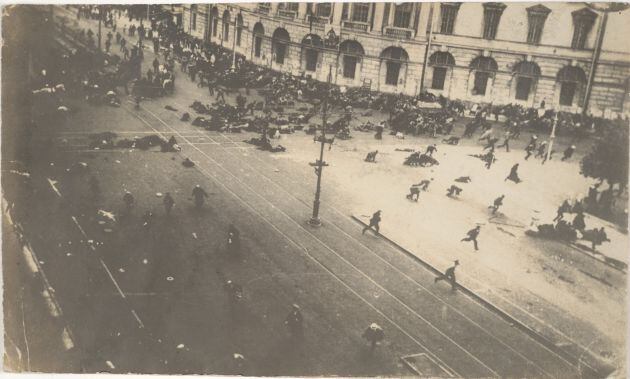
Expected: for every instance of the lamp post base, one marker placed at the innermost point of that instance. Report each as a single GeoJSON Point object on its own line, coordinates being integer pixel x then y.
{"type": "Point", "coordinates": [315, 222]}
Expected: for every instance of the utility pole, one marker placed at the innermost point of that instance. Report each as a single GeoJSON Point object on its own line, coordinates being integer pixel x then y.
{"type": "Point", "coordinates": [233, 43]}
{"type": "Point", "coordinates": [552, 136]}
{"type": "Point", "coordinates": [100, 18]}
{"type": "Point", "coordinates": [428, 48]}
{"type": "Point", "coordinates": [320, 164]}
{"type": "Point", "coordinates": [148, 13]}
{"type": "Point", "coordinates": [605, 8]}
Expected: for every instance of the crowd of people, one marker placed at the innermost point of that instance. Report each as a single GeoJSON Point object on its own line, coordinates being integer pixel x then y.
{"type": "Point", "coordinates": [99, 76]}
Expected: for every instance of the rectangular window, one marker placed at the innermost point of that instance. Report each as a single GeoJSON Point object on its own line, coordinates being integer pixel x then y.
{"type": "Point", "coordinates": [226, 31]}
{"type": "Point", "coordinates": [349, 66]}
{"type": "Point", "coordinates": [481, 83]}
{"type": "Point", "coordinates": [523, 87]}
{"type": "Point", "coordinates": [393, 70]}
{"type": "Point", "coordinates": [194, 21]}
{"type": "Point", "coordinates": [402, 15]}
{"type": "Point", "coordinates": [536, 17]}
{"type": "Point", "coordinates": [239, 32]}
{"type": "Point", "coordinates": [257, 46]}
{"type": "Point", "coordinates": [293, 7]}
{"type": "Point", "coordinates": [311, 60]}
{"type": "Point", "coordinates": [439, 76]}
{"type": "Point", "coordinates": [215, 26]}
{"type": "Point", "coordinates": [448, 13]}
{"type": "Point", "coordinates": [360, 12]}
{"type": "Point", "coordinates": [281, 49]}
{"type": "Point", "coordinates": [323, 10]}
{"type": "Point", "coordinates": [386, 11]}
{"type": "Point", "coordinates": [534, 31]}
{"type": "Point", "coordinates": [491, 16]}
{"type": "Point", "coordinates": [344, 11]}
{"type": "Point", "coordinates": [583, 21]}
{"type": "Point", "coordinates": [567, 93]}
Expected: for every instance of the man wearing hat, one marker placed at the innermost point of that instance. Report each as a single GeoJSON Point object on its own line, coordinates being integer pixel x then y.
{"type": "Point", "coordinates": [294, 322]}
{"type": "Point", "coordinates": [472, 236]}
{"type": "Point", "coordinates": [374, 221]}
{"type": "Point", "coordinates": [374, 334]}
{"type": "Point", "coordinates": [449, 275]}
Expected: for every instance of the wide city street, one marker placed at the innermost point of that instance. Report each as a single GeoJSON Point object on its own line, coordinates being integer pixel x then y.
{"type": "Point", "coordinates": [92, 285]}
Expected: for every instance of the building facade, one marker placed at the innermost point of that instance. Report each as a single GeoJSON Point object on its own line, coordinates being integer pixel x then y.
{"type": "Point", "coordinates": [524, 53]}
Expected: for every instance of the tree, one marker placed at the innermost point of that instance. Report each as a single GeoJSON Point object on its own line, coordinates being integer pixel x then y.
{"type": "Point", "coordinates": [608, 160]}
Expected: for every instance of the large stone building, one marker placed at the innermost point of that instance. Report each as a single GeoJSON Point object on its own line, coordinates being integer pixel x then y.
{"type": "Point", "coordinates": [522, 53]}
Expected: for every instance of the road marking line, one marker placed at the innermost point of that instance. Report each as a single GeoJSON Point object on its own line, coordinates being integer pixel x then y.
{"type": "Point", "coordinates": [79, 226]}
{"type": "Point", "coordinates": [109, 273]}
{"type": "Point", "coordinates": [120, 292]}
{"type": "Point", "coordinates": [137, 318]}
{"type": "Point", "coordinates": [54, 187]}
{"type": "Point", "coordinates": [300, 247]}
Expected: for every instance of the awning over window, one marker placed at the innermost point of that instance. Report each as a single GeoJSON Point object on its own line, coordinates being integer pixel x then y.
{"type": "Point", "coordinates": [313, 40]}
{"type": "Point", "coordinates": [351, 47]}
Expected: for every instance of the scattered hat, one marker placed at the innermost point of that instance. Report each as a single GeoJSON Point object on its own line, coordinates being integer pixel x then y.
{"type": "Point", "coordinates": [456, 261]}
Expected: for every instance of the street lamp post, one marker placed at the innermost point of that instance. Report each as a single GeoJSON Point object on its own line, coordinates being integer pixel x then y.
{"type": "Point", "coordinates": [552, 136]}
{"type": "Point", "coordinates": [100, 17]}
{"type": "Point", "coordinates": [320, 164]}
{"type": "Point", "coordinates": [233, 43]}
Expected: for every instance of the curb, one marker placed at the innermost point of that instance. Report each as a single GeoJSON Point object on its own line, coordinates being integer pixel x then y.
{"type": "Point", "coordinates": [495, 309]}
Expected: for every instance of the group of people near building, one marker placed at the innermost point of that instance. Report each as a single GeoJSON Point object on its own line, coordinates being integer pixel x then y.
{"type": "Point", "coordinates": [217, 68]}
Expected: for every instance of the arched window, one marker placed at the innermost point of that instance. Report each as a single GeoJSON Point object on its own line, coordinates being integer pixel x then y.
{"type": "Point", "coordinates": [526, 74]}
{"type": "Point", "coordinates": [258, 32]}
{"type": "Point", "coordinates": [484, 69]}
{"type": "Point", "coordinates": [311, 45]}
{"type": "Point", "coordinates": [441, 61]}
{"type": "Point", "coordinates": [280, 42]}
{"type": "Point", "coordinates": [226, 25]}
{"type": "Point", "coordinates": [571, 80]}
{"type": "Point", "coordinates": [394, 58]}
{"type": "Point", "coordinates": [352, 52]}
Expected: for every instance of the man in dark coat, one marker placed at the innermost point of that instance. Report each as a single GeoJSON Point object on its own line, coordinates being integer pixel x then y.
{"type": "Point", "coordinates": [168, 203]}
{"type": "Point", "coordinates": [472, 236]}
{"type": "Point", "coordinates": [513, 176]}
{"type": "Point", "coordinates": [449, 275]}
{"type": "Point", "coordinates": [498, 202]}
{"type": "Point", "coordinates": [374, 221]}
{"type": "Point", "coordinates": [374, 334]}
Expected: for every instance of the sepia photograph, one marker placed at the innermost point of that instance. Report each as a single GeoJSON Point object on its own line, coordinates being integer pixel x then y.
{"type": "Point", "coordinates": [347, 189]}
